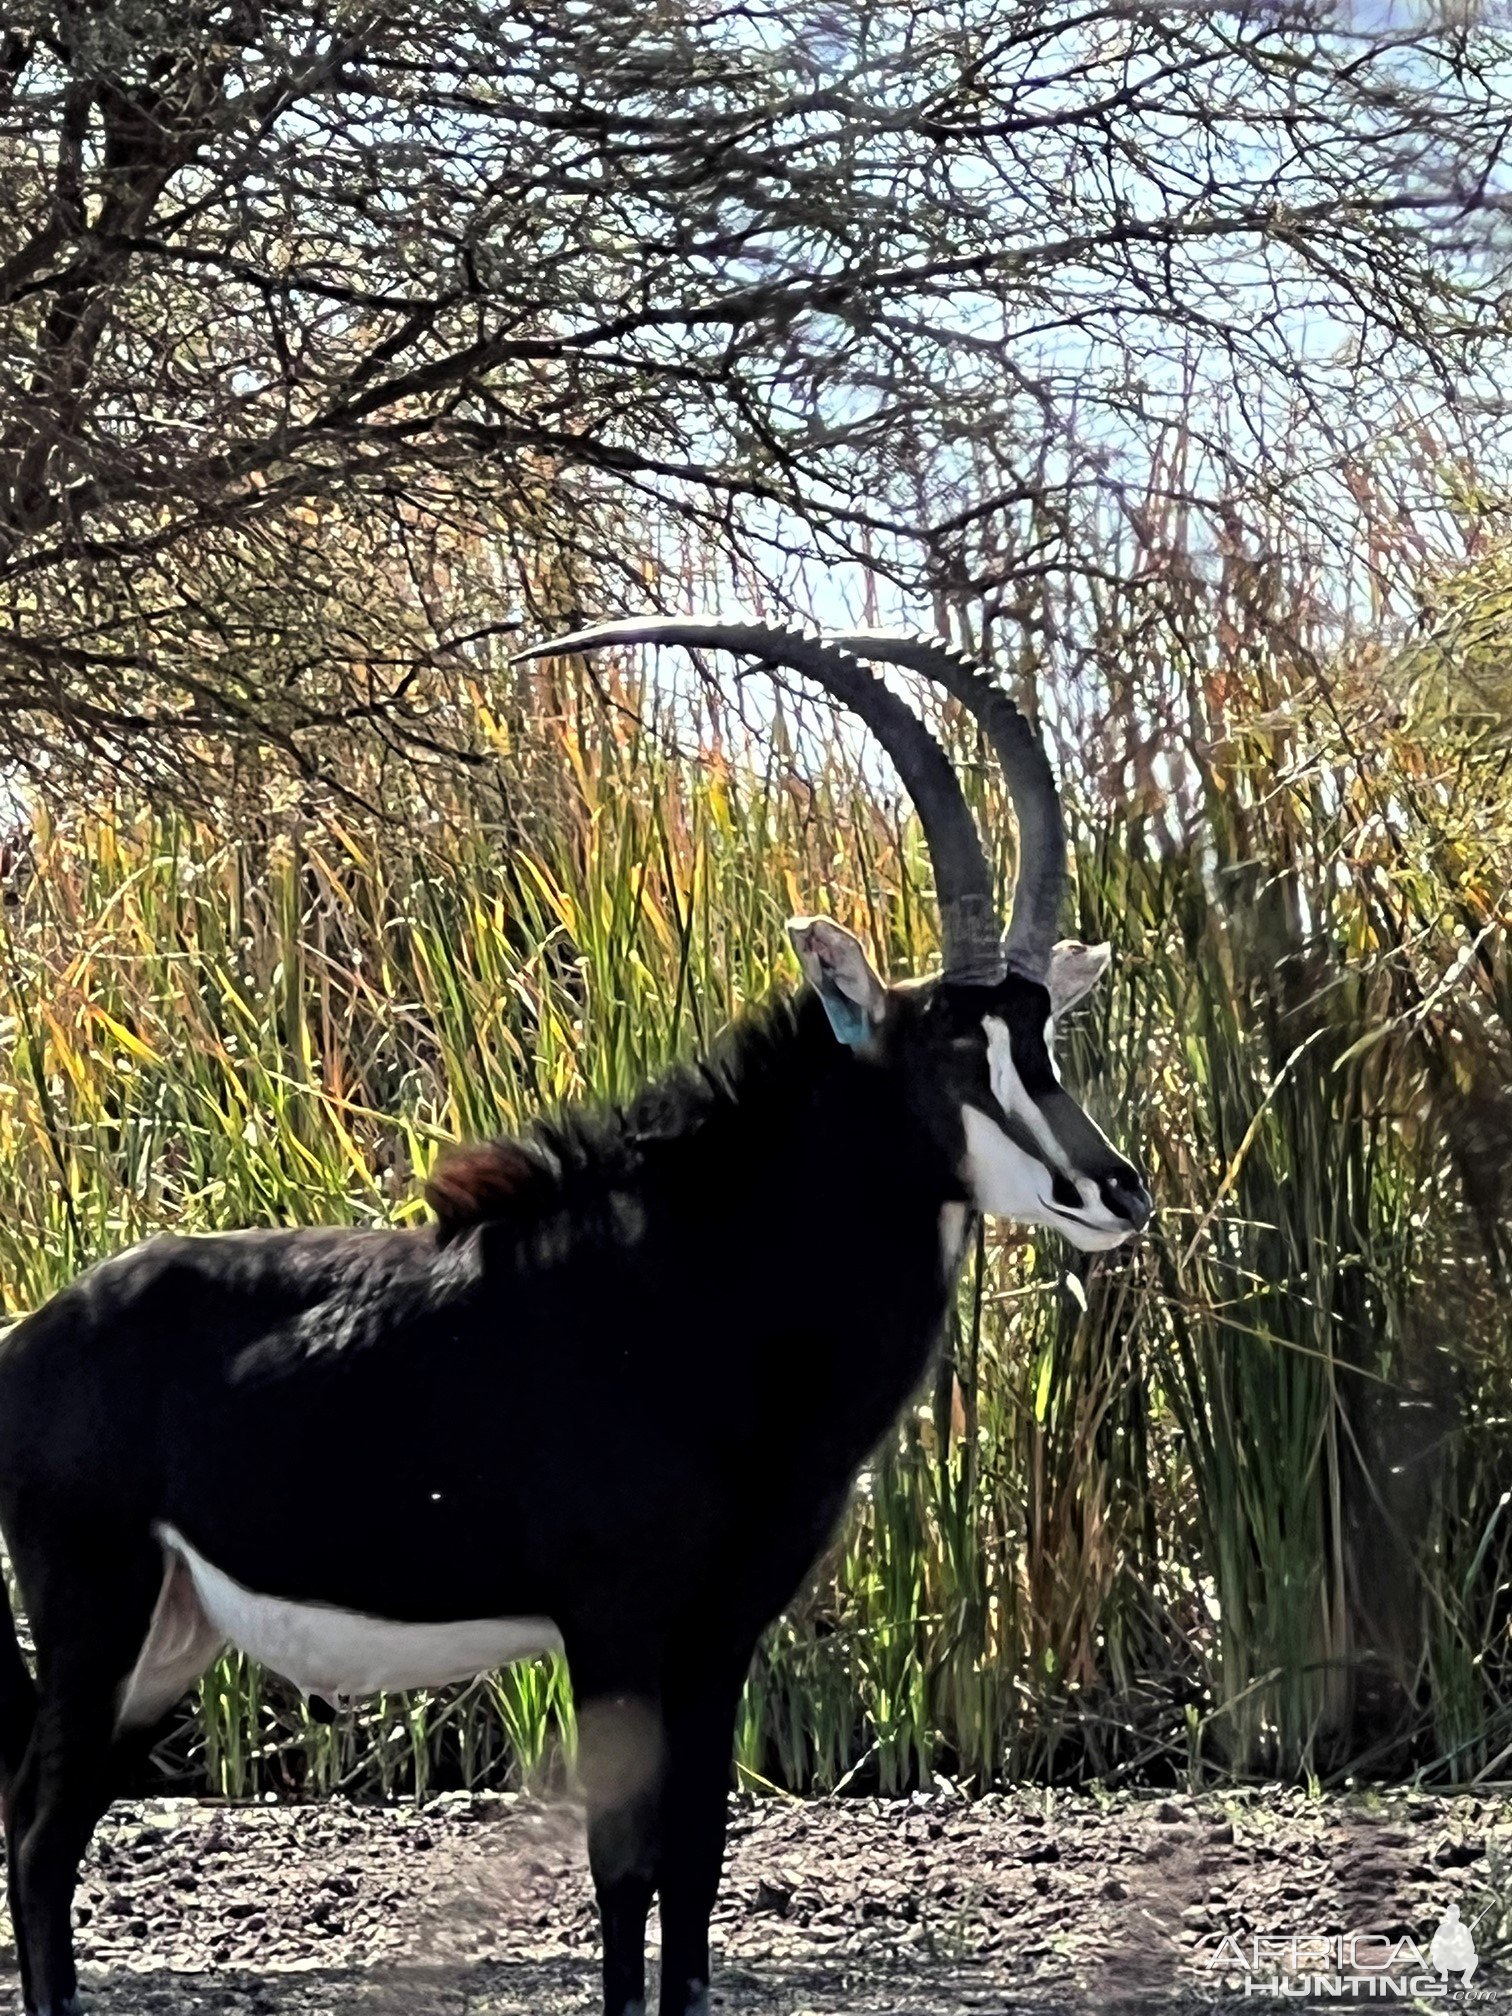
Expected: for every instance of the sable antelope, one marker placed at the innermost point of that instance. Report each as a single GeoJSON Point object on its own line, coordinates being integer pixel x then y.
{"type": "Point", "coordinates": [198, 1439]}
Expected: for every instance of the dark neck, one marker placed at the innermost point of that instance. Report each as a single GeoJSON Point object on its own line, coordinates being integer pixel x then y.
{"type": "Point", "coordinates": [780, 1206]}
{"type": "Point", "coordinates": [810, 1203]}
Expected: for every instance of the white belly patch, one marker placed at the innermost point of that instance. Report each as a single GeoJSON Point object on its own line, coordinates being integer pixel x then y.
{"type": "Point", "coordinates": [321, 1650]}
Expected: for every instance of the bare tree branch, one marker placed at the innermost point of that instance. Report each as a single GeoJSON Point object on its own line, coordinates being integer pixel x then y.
{"type": "Point", "coordinates": [301, 302]}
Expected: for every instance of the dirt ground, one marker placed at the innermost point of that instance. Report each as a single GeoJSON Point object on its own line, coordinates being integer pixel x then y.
{"type": "Point", "coordinates": [1027, 1904]}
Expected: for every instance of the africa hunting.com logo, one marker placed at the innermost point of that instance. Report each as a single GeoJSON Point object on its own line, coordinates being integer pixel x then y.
{"type": "Point", "coordinates": [1352, 1966]}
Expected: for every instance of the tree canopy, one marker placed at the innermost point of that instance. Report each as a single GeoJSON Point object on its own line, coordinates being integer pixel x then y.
{"type": "Point", "coordinates": [336, 339]}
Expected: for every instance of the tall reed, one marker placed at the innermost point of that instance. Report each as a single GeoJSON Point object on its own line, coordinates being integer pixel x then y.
{"type": "Point", "coordinates": [1232, 1503]}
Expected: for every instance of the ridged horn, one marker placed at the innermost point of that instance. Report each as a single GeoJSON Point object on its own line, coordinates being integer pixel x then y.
{"type": "Point", "coordinates": [1035, 921]}
{"type": "Point", "coordinates": [971, 944]}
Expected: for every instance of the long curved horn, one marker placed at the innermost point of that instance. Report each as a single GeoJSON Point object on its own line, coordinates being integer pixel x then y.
{"type": "Point", "coordinates": [1035, 921]}
{"type": "Point", "coordinates": [970, 941]}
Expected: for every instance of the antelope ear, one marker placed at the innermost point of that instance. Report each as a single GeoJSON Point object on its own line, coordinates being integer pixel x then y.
{"type": "Point", "coordinates": [836, 967]}
{"type": "Point", "coordinates": [1075, 970]}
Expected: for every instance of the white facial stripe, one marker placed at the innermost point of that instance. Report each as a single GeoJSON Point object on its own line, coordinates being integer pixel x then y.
{"type": "Point", "coordinates": [1050, 1048]}
{"type": "Point", "coordinates": [323, 1651]}
{"type": "Point", "coordinates": [1006, 1181]}
{"type": "Point", "coordinates": [1008, 1090]}
{"type": "Point", "coordinates": [1001, 1177]}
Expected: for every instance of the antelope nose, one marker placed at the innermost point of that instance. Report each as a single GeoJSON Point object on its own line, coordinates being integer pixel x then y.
{"type": "Point", "coordinates": [1126, 1197]}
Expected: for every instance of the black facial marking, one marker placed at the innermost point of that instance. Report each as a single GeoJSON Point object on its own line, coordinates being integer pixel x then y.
{"type": "Point", "coordinates": [1026, 1016]}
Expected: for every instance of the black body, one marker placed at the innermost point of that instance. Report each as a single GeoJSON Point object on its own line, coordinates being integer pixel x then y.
{"type": "Point", "coordinates": [574, 1398]}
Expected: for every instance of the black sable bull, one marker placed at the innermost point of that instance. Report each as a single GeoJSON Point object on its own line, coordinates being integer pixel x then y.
{"type": "Point", "coordinates": [341, 1450]}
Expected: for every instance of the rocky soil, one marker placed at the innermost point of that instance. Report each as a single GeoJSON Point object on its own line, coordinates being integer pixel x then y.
{"type": "Point", "coordinates": [1027, 1904]}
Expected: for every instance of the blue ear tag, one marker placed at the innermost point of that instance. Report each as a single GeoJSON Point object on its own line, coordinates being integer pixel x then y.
{"type": "Point", "coordinates": [845, 1018]}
